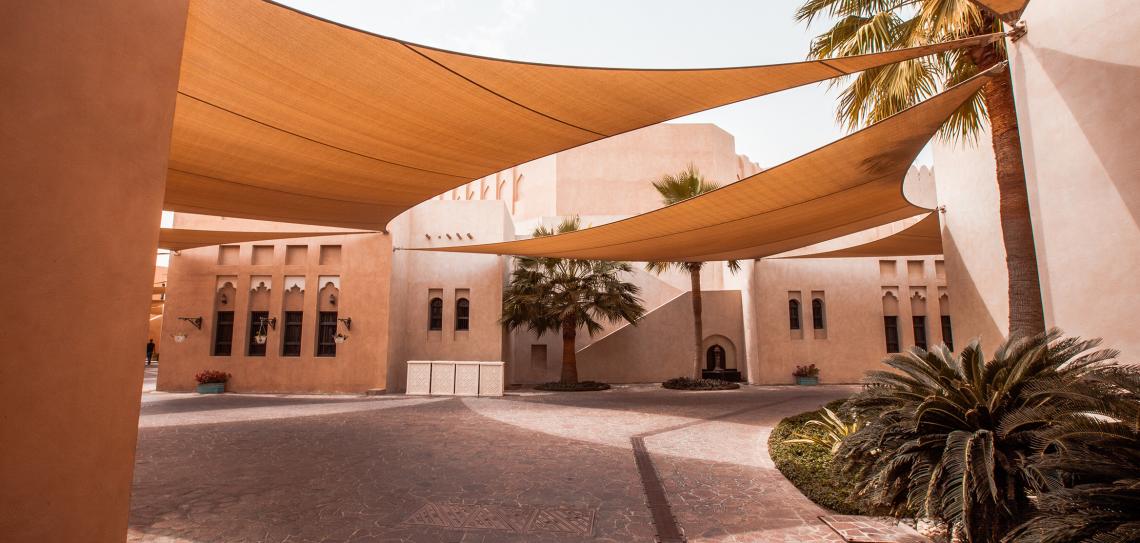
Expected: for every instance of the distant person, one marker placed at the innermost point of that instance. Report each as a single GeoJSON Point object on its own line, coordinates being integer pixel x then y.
{"type": "Point", "coordinates": [149, 350]}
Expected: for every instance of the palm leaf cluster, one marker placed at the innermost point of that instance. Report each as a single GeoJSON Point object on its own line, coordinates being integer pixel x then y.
{"type": "Point", "coordinates": [1098, 455]}
{"type": "Point", "coordinates": [833, 431]}
{"type": "Point", "coordinates": [973, 442]}
{"type": "Point", "coordinates": [873, 26]}
{"type": "Point", "coordinates": [561, 294]}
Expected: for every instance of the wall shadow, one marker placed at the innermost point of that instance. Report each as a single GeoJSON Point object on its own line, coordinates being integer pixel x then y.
{"type": "Point", "coordinates": [1101, 97]}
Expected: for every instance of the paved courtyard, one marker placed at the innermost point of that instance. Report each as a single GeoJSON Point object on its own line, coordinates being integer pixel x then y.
{"type": "Point", "coordinates": [632, 464]}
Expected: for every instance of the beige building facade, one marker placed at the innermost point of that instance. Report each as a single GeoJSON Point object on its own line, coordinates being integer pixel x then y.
{"type": "Point", "coordinates": [409, 304]}
{"type": "Point", "coordinates": [1075, 74]}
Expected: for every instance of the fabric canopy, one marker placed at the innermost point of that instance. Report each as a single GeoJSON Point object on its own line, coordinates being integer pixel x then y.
{"type": "Point", "coordinates": [180, 239]}
{"type": "Point", "coordinates": [283, 116]}
{"type": "Point", "coordinates": [850, 185]}
{"type": "Point", "coordinates": [1004, 7]}
{"type": "Point", "coordinates": [921, 238]}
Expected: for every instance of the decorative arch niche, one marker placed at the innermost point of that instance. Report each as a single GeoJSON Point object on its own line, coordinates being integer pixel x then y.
{"type": "Point", "coordinates": [717, 340]}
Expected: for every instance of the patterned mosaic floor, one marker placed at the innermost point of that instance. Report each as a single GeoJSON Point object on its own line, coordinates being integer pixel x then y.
{"type": "Point", "coordinates": [520, 520]}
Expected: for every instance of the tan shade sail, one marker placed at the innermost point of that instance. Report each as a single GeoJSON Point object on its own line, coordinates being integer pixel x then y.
{"type": "Point", "coordinates": [921, 238]}
{"type": "Point", "coordinates": [1004, 7]}
{"type": "Point", "coordinates": [180, 239]}
{"type": "Point", "coordinates": [283, 116]}
{"type": "Point", "coordinates": [850, 185]}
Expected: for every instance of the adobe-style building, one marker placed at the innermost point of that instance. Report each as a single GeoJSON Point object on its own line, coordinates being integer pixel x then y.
{"type": "Point", "coordinates": [273, 312]}
{"type": "Point", "coordinates": [88, 124]}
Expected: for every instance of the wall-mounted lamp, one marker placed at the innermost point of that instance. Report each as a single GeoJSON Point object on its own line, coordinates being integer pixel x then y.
{"type": "Point", "coordinates": [222, 298]}
{"type": "Point", "coordinates": [347, 323]}
{"type": "Point", "coordinates": [196, 321]}
{"type": "Point", "coordinates": [261, 337]}
{"type": "Point", "coordinates": [179, 337]}
{"type": "Point", "coordinates": [340, 338]}
{"type": "Point", "coordinates": [332, 299]}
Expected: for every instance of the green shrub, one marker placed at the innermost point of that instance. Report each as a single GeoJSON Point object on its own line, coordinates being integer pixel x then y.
{"type": "Point", "coordinates": [582, 386]}
{"type": "Point", "coordinates": [685, 383]}
{"type": "Point", "coordinates": [809, 466]}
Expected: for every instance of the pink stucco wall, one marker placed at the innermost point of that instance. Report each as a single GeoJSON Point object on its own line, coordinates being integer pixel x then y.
{"type": "Point", "coordinates": [660, 346]}
{"type": "Point", "coordinates": [363, 270]}
{"type": "Point", "coordinates": [853, 339]}
{"type": "Point", "coordinates": [971, 239]}
{"type": "Point", "coordinates": [1076, 77]}
{"type": "Point", "coordinates": [418, 276]}
{"type": "Point", "coordinates": [88, 104]}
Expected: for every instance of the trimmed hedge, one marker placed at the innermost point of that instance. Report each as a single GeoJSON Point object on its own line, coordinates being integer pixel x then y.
{"type": "Point", "coordinates": [685, 383]}
{"type": "Point", "coordinates": [810, 467]}
{"type": "Point", "coordinates": [581, 386]}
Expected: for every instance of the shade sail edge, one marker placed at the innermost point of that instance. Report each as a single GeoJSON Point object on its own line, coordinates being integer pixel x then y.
{"type": "Point", "coordinates": [789, 201]}
{"type": "Point", "coordinates": [921, 238]}
{"type": "Point", "coordinates": [181, 239]}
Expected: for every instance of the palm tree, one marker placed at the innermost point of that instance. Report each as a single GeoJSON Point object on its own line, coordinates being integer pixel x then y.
{"type": "Point", "coordinates": [955, 437]}
{"type": "Point", "coordinates": [561, 294]}
{"type": "Point", "coordinates": [870, 26]}
{"type": "Point", "coordinates": [1100, 459]}
{"type": "Point", "coordinates": [687, 184]}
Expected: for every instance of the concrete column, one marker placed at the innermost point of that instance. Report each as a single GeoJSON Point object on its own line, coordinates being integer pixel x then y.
{"type": "Point", "coordinates": [87, 92]}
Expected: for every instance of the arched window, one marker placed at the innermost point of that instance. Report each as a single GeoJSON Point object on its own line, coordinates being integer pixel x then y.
{"type": "Point", "coordinates": [435, 319]}
{"type": "Point", "coordinates": [462, 314]}
{"type": "Point", "coordinates": [794, 314]}
{"type": "Point", "coordinates": [817, 314]}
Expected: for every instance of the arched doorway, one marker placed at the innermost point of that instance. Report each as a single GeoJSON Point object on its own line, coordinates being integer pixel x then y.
{"type": "Point", "coordinates": [720, 359]}
{"type": "Point", "coordinates": [714, 358]}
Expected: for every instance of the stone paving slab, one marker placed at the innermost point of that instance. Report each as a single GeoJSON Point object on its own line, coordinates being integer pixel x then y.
{"type": "Point", "coordinates": [555, 467]}
{"type": "Point", "coordinates": [856, 529]}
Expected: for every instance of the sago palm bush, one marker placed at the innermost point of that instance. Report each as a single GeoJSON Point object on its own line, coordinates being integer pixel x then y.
{"type": "Point", "coordinates": [674, 189]}
{"type": "Point", "coordinates": [563, 295]}
{"type": "Point", "coordinates": [1098, 457]}
{"type": "Point", "coordinates": [954, 437]}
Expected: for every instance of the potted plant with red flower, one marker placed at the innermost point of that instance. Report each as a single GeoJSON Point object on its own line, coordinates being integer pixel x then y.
{"type": "Point", "coordinates": [806, 375]}
{"type": "Point", "coordinates": [212, 381]}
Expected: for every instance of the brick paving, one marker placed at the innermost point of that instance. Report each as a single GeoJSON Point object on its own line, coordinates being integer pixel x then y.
{"type": "Point", "coordinates": [526, 467]}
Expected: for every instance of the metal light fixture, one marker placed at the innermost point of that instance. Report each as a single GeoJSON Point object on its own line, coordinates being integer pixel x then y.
{"type": "Point", "coordinates": [332, 299]}
{"type": "Point", "coordinates": [196, 321]}
{"type": "Point", "coordinates": [222, 298]}
{"type": "Point", "coordinates": [339, 337]}
{"type": "Point", "coordinates": [261, 337]}
{"type": "Point", "coordinates": [179, 337]}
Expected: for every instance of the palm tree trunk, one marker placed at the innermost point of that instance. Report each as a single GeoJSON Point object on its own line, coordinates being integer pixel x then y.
{"type": "Point", "coordinates": [698, 326]}
{"type": "Point", "coordinates": [1026, 313]}
{"type": "Point", "coordinates": [569, 355]}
